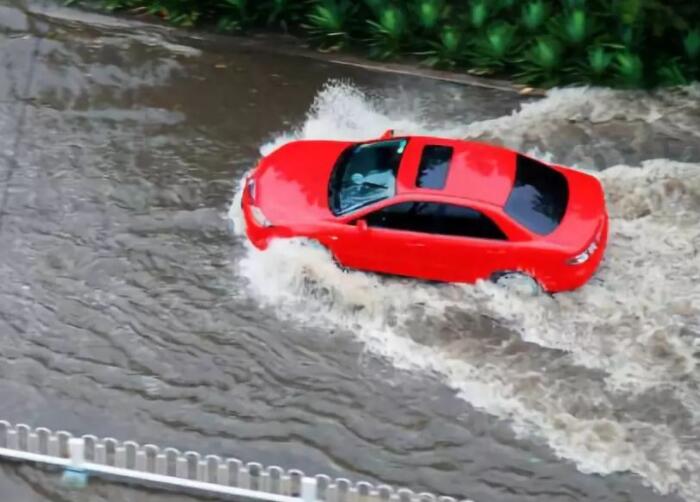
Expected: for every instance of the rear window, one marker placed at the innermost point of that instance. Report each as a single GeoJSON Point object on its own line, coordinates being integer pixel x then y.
{"type": "Point", "coordinates": [434, 164]}
{"type": "Point", "coordinates": [539, 197]}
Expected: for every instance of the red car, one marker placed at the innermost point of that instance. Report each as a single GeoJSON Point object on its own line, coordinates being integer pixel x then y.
{"type": "Point", "coordinates": [431, 208]}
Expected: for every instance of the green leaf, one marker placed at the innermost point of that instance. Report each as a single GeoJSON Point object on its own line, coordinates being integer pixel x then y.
{"type": "Point", "coordinates": [546, 53]}
{"type": "Point", "coordinates": [478, 13]}
{"type": "Point", "coordinates": [630, 69]}
{"type": "Point", "coordinates": [500, 38]}
{"type": "Point", "coordinates": [629, 10]}
{"type": "Point", "coordinates": [451, 39]}
{"type": "Point", "coordinates": [446, 52]}
{"type": "Point", "coordinates": [534, 14]}
{"type": "Point", "coordinates": [328, 22]}
{"type": "Point", "coordinates": [671, 73]}
{"type": "Point", "coordinates": [691, 43]}
{"type": "Point", "coordinates": [574, 4]}
{"type": "Point", "coordinates": [228, 24]}
{"type": "Point", "coordinates": [505, 4]}
{"type": "Point", "coordinates": [392, 21]}
{"type": "Point", "coordinates": [540, 62]}
{"type": "Point", "coordinates": [598, 60]}
{"type": "Point", "coordinates": [428, 13]}
{"type": "Point", "coordinates": [493, 48]}
{"type": "Point", "coordinates": [235, 15]}
{"type": "Point", "coordinates": [576, 26]}
{"type": "Point", "coordinates": [387, 34]}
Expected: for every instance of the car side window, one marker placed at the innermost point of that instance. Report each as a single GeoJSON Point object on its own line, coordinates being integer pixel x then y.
{"type": "Point", "coordinates": [397, 216]}
{"type": "Point", "coordinates": [436, 218]}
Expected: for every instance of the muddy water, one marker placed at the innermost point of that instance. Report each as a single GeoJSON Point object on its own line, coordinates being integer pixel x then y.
{"type": "Point", "coordinates": [129, 308]}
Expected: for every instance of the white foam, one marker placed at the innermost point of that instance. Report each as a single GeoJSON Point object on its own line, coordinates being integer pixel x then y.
{"type": "Point", "coordinates": [342, 111]}
{"type": "Point", "coordinates": [630, 333]}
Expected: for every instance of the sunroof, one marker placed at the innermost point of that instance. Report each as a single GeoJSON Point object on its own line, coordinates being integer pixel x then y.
{"type": "Point", "coordinates": [434, 165]}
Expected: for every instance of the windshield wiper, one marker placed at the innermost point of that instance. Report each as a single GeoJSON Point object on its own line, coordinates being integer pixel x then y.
{"type": "Point", "coordinates": [365, 183]}
{"type": "Point", "coordinates": [376, 185]}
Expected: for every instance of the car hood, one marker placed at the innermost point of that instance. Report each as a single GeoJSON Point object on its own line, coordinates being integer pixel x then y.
{"type": "Point", "coordinates": [292, 182]}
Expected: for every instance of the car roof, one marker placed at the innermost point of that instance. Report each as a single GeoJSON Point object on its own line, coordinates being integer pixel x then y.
{"type": "Point", "coordinates": [477, 172]}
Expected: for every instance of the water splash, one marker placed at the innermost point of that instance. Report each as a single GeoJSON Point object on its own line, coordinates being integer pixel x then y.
{"type": "Point", "coordinates": [576, 370]}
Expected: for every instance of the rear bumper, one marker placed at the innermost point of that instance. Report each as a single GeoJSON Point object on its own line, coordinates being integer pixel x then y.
{"type": "Point", "coordinates": [570, 277]}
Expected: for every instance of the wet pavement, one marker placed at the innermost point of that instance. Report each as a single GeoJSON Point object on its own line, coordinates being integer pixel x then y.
{"type": "Point", "coordinates": [129, 308]}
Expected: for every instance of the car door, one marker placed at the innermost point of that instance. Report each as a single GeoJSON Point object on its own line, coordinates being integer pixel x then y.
{"type": "Point", "coordinates": [463, 242]}
{"type": "Point", "coordinates": [424, 239]}
{"type": "Point", "coordinates": [375, 240]}
{"type": "Point", "coordinates": [406, 238]}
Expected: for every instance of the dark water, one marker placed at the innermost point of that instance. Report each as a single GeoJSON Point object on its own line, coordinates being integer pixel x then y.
{"type": "Point", "coordinates": [122, 308]}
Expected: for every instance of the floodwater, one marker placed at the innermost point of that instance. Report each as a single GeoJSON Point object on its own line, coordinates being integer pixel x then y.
{"type": "Point", "coordinates": [130, 306]}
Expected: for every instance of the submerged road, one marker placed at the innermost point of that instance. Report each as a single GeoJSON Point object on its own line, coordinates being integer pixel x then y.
{"type": "Point", "coordinates": [129, 308]}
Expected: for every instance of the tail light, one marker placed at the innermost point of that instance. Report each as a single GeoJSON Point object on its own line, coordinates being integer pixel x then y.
{"type": "Point", "coordinates": [583, 257]}
{"type": "Point", "coordinates": [589, 251]}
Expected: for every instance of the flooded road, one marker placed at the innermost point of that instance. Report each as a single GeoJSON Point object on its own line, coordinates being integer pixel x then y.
{"type": "Point", "coordinates": [129, 307]}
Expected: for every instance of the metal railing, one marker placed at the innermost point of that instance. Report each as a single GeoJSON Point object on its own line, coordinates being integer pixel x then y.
{"type": "Point", "coordinates": [210, 474]}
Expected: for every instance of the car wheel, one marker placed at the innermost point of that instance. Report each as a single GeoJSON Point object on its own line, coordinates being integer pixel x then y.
{"type": "Point", "coordinates": [518, 282]}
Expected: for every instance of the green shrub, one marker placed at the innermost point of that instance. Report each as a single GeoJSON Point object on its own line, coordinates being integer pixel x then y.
{"type": "Point", "coordinates": [427, 14]}
{"type": "Point", "coordinates": [492, 48]}
{"type": "Point", "coordinates": [630, 69]}
{"type": "Point", "coordinates": [282, 13]}
{"type": "Point", "coordinates": [534, 15]}
{"type": "Point", "coordinates": [478, 13]}
{"type": "Point", "coordinates": [447, 51]}
{"type": "Point", "coordinates": [541, 62]}
{"type": "Point", "coordinates": [595, 68]}
{"type": "Point", "coordinates": [624, 43]}
{"type": "Point", "coordinates": [387, 34]}
{"type": "Point", "coordinates": [328, 23]}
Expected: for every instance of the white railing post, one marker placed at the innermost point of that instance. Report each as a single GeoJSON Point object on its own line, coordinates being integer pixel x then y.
{"type": "Point", "coordinates": [75, 476]}
{"type": "Point", "coordinates": [76, 449]}
{"type": "Point", "coordinates": [33, 442]}
{"type": "Point", "coordinates": [12, 439]}
{"type": "Point", "coordinates": [308, 489]}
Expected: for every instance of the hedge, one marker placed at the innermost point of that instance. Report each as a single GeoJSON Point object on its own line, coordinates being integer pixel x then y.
{"type": "Point", "coordinates": [620, 43]}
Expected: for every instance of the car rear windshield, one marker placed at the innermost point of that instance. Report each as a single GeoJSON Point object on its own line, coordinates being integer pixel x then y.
{"type": "Point", "coordinates": [539, 197]}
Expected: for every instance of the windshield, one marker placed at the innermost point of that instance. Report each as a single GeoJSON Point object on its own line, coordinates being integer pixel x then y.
{"type": "Point", "coordinates": [539, 197]}
{"type": "Point", "coordinates": [364, 174]}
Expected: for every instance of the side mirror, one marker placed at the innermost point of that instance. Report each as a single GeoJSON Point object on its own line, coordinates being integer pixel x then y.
{"type": "Point", "coordinates": [388, 134]}
{"type": "Point", "coordinates": [362, 225]}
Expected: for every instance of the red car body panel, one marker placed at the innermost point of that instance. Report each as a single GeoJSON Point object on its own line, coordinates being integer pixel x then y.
{"type": "Point", "coordinates": [292, 182]}
{"type": "Point", "coordinates": [478, 171]}
{"type": "Point", "coordinates": [291, 190]}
